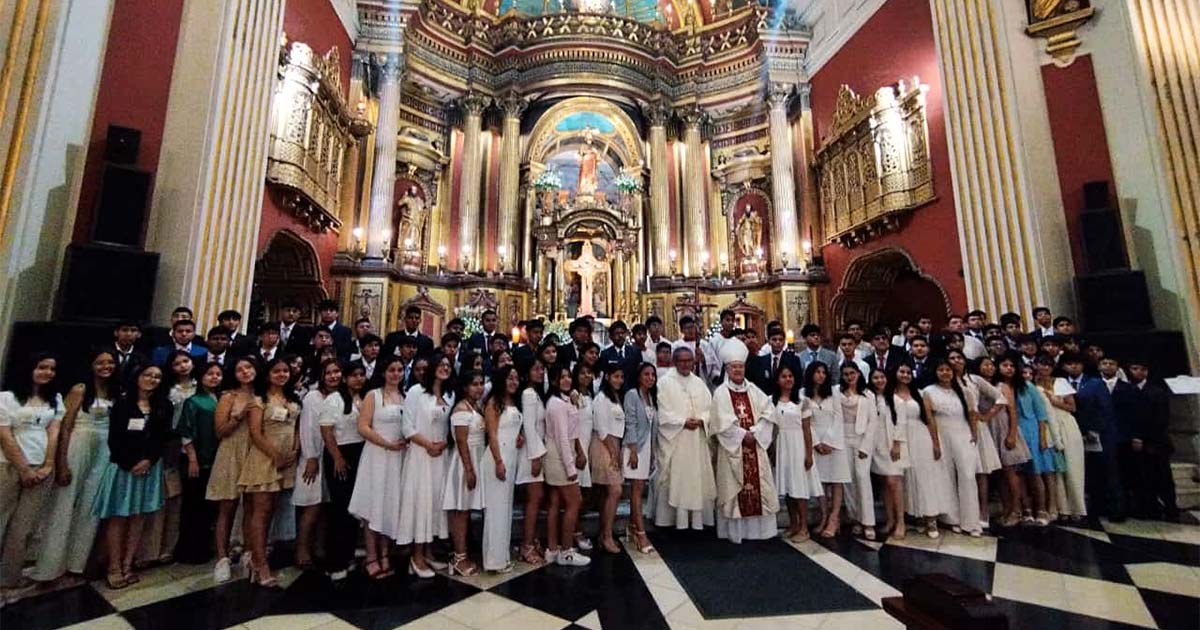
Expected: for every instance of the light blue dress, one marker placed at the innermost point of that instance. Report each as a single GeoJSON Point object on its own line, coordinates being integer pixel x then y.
{"type": "Point", "coordinates": [1031, 409]}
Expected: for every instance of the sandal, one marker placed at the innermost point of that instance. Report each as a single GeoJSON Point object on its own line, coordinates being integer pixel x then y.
{"type": "Point", "coordinates": [530, 555]}
{"type": "Point", "coordinates": [386, 564]}
{"type": "Point", "coordinates": [461, 565]}
{"type": "Point", "coordinates": [116, 581]}
{"type": "Point", "coordinates": [378, 573]}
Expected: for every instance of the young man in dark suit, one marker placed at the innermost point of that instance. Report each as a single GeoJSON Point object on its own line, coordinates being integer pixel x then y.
{"type": "Point", "coordinates": [763, 369]}
{"type": "Point", "coordinates": [343, 337]}
{"type": "Point", "coordinates": [294, 337]}
{"type": "Point", "coordinates": [239, 343]}
{"type": "Point", "coordinates": [1099, 422]}
{"type": "Point", "coordinates": [126, 336]}
{"type": "Point", "coordinates": [621, 355]}
{"type": "Point", "coordinates": [525, 353]}
{"type": "Point", "coordinates": [183, 337]}
{"type": "Point", "coordinates": [1151, 446]}
{"type": "Point", "coordinates": [268, 347]}
{"type": "Point", "coordinates": [218, 346]}
{"type": "Point", "coordinates": [412, 329]}
{"type": "Point", "coordinates": [581, 333]}
{"type": "Point", "coordinates": [884, 355]}
{"type": "Point", "coordinates": [481, 341]}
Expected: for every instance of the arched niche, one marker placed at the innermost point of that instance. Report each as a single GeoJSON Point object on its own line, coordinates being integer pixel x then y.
{"type": "Point", "coordinates": [546, 137]}
{"type": "Point", "coordinates": [287, 270]}
{"type": "Point", "coordinates": [888, 286]}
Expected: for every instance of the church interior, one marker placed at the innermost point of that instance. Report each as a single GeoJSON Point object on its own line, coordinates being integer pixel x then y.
{"type": "Point", "coordinates": [800, 164]}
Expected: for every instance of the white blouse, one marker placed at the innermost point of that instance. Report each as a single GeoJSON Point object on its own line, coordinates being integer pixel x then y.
{"type": "Point", "coordinates": [29, 425]}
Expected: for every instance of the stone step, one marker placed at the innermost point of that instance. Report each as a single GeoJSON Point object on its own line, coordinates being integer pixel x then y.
{"type": "Point", "coordinates": [1185, 473]}
{"type": "Point", "coordinates": [1187, 498]}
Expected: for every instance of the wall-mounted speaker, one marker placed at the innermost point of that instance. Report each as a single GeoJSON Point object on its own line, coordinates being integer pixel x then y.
{"type": "Point", "coordinates": [1114, 300]}
{"type": "Point", "coordinates": [107, 283]}
{"type": "Point", "coordinates": [121, 145]}
{"type": "Point", "coordinates": [121, 211]}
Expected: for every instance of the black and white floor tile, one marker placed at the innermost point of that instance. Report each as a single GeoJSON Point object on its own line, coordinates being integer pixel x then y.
{"type": "Point", "coordinates": [1136, 574]}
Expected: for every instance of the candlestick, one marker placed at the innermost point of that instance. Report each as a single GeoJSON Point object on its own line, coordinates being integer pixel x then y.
{"type": "Point", "coordinates": [516, 335]}
{"type": "Point", "coordinates": [791, 337]}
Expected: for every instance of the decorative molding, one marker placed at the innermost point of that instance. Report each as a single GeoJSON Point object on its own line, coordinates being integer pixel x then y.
{"type": "Point", "coordinates": [866, 281]}
{"type": "Point", "coordinates": [347, 12]}
{"type": "Point", "coordinates": [833, 24]}
{"type": "Point", "coordinates": [1057, 22]}
{"type": "Point", "coordinates": [875, 162]}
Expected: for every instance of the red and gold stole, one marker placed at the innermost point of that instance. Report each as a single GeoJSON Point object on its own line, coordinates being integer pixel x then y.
{"type": "Point", "coordinates": [750, 497]}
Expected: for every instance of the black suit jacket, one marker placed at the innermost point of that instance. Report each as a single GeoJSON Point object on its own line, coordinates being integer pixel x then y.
{"type": "Point", "coordinates": [391, 343]}
{"type": "Point", "coordinates": [758, 370]}
{"type": "Point", "coordinates": [343, 340]}
{"type": "Point", "coordinates": [523, 357]}
{"type": "Point", "coordinates": [567, 354]}
{"type": "Point", "coordinates": [300, 341]}
{"type": "Point", "coordinates": [926, 376]}
{"type": "Point", "coordinates": [1154, 418]}
{"type": "Point", "coordinates": [611, 361]}
{"type": "Point", "coordinates": [896, 357]}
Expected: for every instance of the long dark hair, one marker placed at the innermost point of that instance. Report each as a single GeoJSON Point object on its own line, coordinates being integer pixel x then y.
{"type": "Point", "coordinates": [321, 381]}
{"type": "Point", "coordinates": [159, 401]}
{"type": "Point", "coordinates": [263, 386]}
{"type": "Point", "coordinates": [201, 371]}
{"type": "Point", "coordinates": [431, 374]}
{"type": "Point", "coordinates": [498, 397]}
{"type": "Point", "coordinates": [794, 393]}
{"type": "Point", "coordinates": [112, 383]}
{"type": "Point", "coordinates": [23, 388]}
{"type": "Point", "coordinates": [954, 384]}
{"type": "Point", "coordinates": [1016, 381]}
{"type": "Point", "coordinates": [653, 388]}
{"type": "Point", "coordinates": [464, 381]}
{"type": "Point", "coordinates": [231, 383]}
{"type": "Point", "coordinates": [861, 382]}
{"type": "Point", "coordinates": [377, 377]}
{"type": "Point", "coordinates": [553, 376]}
{"type": "Point", "coordinates": [889, 395]}
{"type": "Point", "coordinates": [168, 368]}
{"type": "Point", "coordinates": [577, 372]}
{"type": "Point", "coordinates": [538, 387]}
{"type": "Point", "coordinates": [826, 388]}
{"type": "Point", "coordinates": [606, 388]}
{"type": "Point", "coordinates": [344, 389]}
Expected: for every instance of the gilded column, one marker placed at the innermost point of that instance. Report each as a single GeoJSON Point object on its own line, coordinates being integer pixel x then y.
{"type": "Point", "coordinates": [618, 285]}
{"type": "Point", "coordinates": [510, 170]}
{"type": "Point", "coordinates": [383, 179]}
{"type": "Point", "coordinates": [1000, 248]}
{"type": "Point", "coordinates": [785, 227]}
{"type": "Point", "coordinates": [470, 213]}
{"type": "Point", "coordinates": [695, 213]}
{"type": "Point", "coordinates": [208, 191]}
{"type": "Point", "coordinates": [660, 223]}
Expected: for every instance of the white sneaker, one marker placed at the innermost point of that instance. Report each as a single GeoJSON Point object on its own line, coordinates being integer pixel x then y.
{"type": "Point", "coordinates": [338, 576]}
{"type": "Point", "coordinates": [221, 571]}
{"type": "Point", "coordinates": [551, 556]}
{"type": "Point", "coordinates": [572, 558]}
{"type": "Point", "coordinates": [583, 542]}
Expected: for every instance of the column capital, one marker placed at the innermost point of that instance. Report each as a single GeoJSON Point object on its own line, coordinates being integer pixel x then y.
{"type": "Point", "coordinates": [692, 115]}
{"type": "Point", "coordinates": [778, 94]}
{"type": "Point", "coordinates": [390, 65]}
{"type": "Point", "coordinates": [473, 103]}
{"type": "Point", "coordinates": [658, 113]}
{"type": "Point", "coordinates": [513, 105]}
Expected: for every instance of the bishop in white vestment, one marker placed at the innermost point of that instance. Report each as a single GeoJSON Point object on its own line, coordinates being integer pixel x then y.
{"type": "Point", "coordinates": [686, 488]}
{"type": "Point", "coordinates": [741, 419]}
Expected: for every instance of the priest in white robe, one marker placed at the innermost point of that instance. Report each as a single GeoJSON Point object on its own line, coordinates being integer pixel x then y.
{"type": "Point", "coordinates": [741, 419]}
{"type": "Point", "coordinates": [686, 489]}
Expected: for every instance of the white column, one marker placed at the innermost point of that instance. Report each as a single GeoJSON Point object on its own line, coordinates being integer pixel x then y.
{"type": "Point", "coordinates": [510, 170]}
{"type": "Point", "coordinates": [383, 179]}
{"type": "Point", "coordinates": [785, 225]}
{"type": "Point", "coordinates": [470, 212]}
{"type": "Point", "coordinates": [209, 186]}
{"type": "Point", "coordinates": [695, 213]}
{"type": "Point", "coordinates": [660, 223]}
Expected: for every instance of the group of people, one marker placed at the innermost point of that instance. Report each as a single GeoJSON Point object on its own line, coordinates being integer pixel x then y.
{"type": "Point", "coordinates": [400, 439]}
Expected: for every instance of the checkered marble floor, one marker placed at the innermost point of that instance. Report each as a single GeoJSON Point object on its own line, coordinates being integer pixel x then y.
{"type": "Point", "coordinates": [1136, 574]}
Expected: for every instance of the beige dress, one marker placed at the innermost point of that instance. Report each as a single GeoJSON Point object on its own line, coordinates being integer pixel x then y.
{"type": "Point", "coordinates": [259, 474]}
{"type": "Point", "coordinates": [231, 452]}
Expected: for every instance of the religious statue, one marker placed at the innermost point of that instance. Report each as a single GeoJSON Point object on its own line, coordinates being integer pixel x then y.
{"type": "Point", "coordinates": [600, 297]}
{"type": "Point", "coordinates": [588, 161]}
{"type": "Point", "coordinates": [749, 233]}
{"type": "Point", "coordinates": [587, 267]}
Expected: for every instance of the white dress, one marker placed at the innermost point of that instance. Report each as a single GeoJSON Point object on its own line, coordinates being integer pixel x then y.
{"type": "Point", "coordinates": [859, 416]}
{"type": "Point", "coordinates": [376, 497]}
{"type": "Point", "coordinates": [457, 496]}
{"type": "Point", "coordinates": [827, 429]}
{"type": "Point", "coordinates": [645, 454]}
{"type": "Point", "coordinates": [890, 430]}
{"type": "Point", "coordinates": [497, 494]}
{"type": "Point", "coordinates": [315, 493]}
{"type": "Point", "coordinates": [791, 478]}
{"type": "Point", "coordinates": [533, 422]}
{"type": "Point", "coordinates": [982, 396]}
{"type": "Point", "coordinates": [927, 489]}
{"type": "Point", "coordinates": [423, 482]}
{"type": "Point", "coordinates": [587, 422]}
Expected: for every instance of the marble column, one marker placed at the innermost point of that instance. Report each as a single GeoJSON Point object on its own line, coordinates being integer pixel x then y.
{"type": "Point", "coordinates": [208, 190]}
{"type": "Point", "coordinates": [510, 170]}
{"type": "Point", "coordinates": [695, 206]}
{"type": "Point", "coordinates": [383, 179]}
{"type": "Point", "coordinates": [785, 226]}
{"type": "Point", "coordinates": [659, 224]}
{"type": "Point", "coordinates": [470, 211]}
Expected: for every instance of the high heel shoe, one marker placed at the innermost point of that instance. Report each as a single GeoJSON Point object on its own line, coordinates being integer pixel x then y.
{"type": "Point", "coordinates": [424, 574]}
{"type": "Point", "coordinates": [256, 577]}
{"type": "Point", "coordinates": [460, 565]}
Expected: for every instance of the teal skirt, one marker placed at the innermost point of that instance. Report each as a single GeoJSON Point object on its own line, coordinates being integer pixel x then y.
{"type": "Point", "coordinates": [121, 493]}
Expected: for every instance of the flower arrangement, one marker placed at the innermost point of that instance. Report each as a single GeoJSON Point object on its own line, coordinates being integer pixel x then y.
{"type": "Point", "coordinates": [558, 328]}
{"type": "Point", "coordinates": [627, 183]}
{"type": "Point", "coordinates": [470, 316]}
{"type": "Point", "coordinates": [547, 181]}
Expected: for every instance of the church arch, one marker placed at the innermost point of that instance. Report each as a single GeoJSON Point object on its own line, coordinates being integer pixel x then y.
{"type": "Point", "coordinates": [288, 269]}
{"type": "Point", "coordinates": [887, 286]}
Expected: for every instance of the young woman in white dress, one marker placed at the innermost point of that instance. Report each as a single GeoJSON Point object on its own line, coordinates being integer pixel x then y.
{"type": "Point", "coordinates": [81, 457]}
{"type": "Point", "coordinates": [796, 479]}
{"type": "Point", "coordinates": [1061, 398]}
{"type": "Point", "coordinates": [859, 416]}
{"type": "Point", "coordinates": [827, 429]}
{"type": "Point", "coordinates": [604, 453]}
{"type": "Point", "coordinates": [498, 468]}
{"type": "Point", "coordinates": [897, 409]}
{"type": "Point", "coordinates": [530, 457]}
{"type": "Point", "coordinates": [463, 491]}
{"type": "Point", "coordinates": [565, 458]}
{"type": "Point", "coordinates": [308, 489]}
{"type": "Point", "coordinates": [585, 379]}
{"type": "Point", "coordinates": [376, 495]}
{"type": "Point", "coordinates": [946, 405]}
{"type": "Point", "coordinates": [983, 402]}
{"type": "Point", "coordinates": [422, 485]}
{"type": "Point", "coordinates": [641, 414]}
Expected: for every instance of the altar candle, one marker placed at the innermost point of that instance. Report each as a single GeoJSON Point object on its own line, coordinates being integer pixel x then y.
{"type": "Point", "coordinates": [516, 335]}
{"type": "Point", "coordinates": [791, 337]}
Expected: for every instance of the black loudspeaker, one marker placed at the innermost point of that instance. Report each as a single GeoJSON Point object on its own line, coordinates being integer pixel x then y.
{"type": "Point", "coordinates": [1114, 300]}
{"type": "Point", "coordinates": [121, 212]}
{"type": "Point", "coordinates": [1164, 350]}
{"type": "Point", "coordinates": [1101, 231]}
{"type": "Point", "coordinates": [107, 283]}
{"type": "Point", "coordinates": [121, 145]}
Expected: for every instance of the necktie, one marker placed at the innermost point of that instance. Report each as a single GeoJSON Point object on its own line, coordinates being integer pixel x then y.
{"type": "Point", "coordinates": [774, 365]}
{"type": "Point", "coordinates": [814, 355]}
{"type": "Point", "coordinates": [1075, 383]}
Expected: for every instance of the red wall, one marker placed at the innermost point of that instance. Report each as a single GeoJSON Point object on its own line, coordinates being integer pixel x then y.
{"type": "Point", "coordinates": [897, 43]}
{"type": "Point", "coordinates": [1080, 144]}
{"type": "Point", "coordinates": [315, 23]}
{"type": "Point", "coordinates": [134, 85]}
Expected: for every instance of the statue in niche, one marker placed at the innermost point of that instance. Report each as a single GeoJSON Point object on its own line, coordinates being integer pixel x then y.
{"type": "Point", "coordinates": [600, 297]}
{"type": "Point", "coordinates": [588, 162]}
{"type": "Point", "coordinates": [587, 268]}
{"type": "Point", "coordinates": [749, 233]}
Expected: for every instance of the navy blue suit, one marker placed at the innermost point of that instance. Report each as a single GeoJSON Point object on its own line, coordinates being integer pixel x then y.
{"type": "Point", "coordinates": [758, 370]}
{"type": "Point", "coordinates": [343, 340]}
{"type": "Point", "coordinates": [1096, 411]}
{"type": "Point", "coordinates": [198, 352]}
{"type": "Point", "coordinates": [627, 360]}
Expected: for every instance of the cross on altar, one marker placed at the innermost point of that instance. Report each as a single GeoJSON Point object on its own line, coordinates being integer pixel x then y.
{"type": "Point", "coordinates": [588, 269]}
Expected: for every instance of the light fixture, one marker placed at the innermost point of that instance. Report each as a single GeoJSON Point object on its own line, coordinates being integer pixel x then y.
{"type": "Point", "coordinates": [358, 233]}
{"type": "Point", "coordinates": [501, 250]}
{"type": "Point", "coordinates": [441, 252]}
{"type": "Point", "coordinates": [465, 263]}
{"type": "Point", "coordinates": [408, 243]}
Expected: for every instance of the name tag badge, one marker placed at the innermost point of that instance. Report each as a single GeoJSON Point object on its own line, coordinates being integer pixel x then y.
{"type": "Point", "coordinates": [137, 424]}
{"type": "Point", "coordinates": [279, 414]}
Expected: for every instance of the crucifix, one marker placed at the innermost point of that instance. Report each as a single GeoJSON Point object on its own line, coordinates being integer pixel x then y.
{"type": "Point", "coordinates": [588, 268]}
